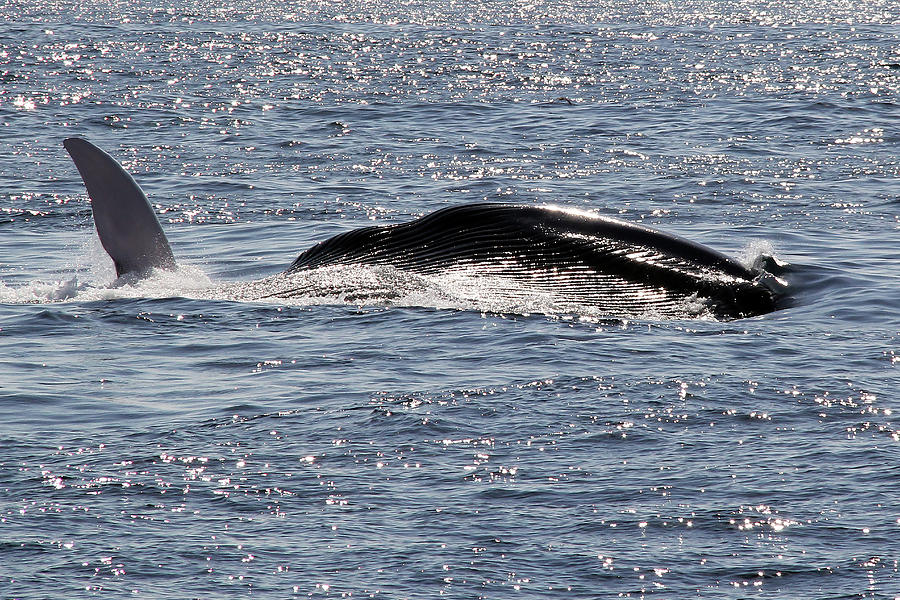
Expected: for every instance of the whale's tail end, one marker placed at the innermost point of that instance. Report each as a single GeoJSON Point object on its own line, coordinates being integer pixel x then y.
{"type": "Point", "coordinates": [125, 221]}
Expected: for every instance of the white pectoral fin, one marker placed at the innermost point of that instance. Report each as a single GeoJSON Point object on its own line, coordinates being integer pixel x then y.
{"type": "Point", "coordinates": [125, 221]}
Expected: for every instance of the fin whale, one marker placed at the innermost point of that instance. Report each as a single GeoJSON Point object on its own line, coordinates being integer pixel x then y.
{"type": "Point", "coordinates": [618, 268]}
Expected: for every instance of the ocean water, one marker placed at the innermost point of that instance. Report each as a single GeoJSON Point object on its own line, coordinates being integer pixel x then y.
{"type": "Point", "coordinates": [158, 441]}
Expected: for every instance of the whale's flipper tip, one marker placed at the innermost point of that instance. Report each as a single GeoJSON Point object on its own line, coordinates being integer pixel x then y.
{"type": "Point", "coordinates": [73, 143]}
{"type": "Point", "coordinates": [125, 221]}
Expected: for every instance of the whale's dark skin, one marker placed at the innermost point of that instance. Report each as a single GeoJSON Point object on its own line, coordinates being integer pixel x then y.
{"type": "Point", "coordinates": [582, 258]}
{"type": "Point", "coordinates": [617, 268]}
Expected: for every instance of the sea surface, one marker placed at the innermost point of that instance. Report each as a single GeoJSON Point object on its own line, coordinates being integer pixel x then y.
{"type": "Point", "coordinates": [159, 442]}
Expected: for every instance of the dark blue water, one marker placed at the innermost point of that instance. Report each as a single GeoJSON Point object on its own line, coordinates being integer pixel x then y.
{"type": "Point", "coordinates": [166, 441]}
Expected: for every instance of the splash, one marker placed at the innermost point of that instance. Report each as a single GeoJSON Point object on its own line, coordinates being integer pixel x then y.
{"type": "Point", "coordinates": [369, 285]}
{"type": "Point", "coordinates": [40, 292]}
{"type": "Point", "coordinates": [186, 281]}
{"type": "Point", "coordinates": [760, 256]}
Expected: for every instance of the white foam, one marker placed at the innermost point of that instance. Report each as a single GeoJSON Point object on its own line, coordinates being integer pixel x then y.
{"type": "Point", "coordinates": [39, 292]}
{"type": "Point", "coordinates": [186, 281]}
{"type": "Point", "coordinates": [335, 285]}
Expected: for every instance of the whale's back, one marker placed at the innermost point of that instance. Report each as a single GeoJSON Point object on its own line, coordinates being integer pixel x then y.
{"type": "Point", "coordinates": [577, 258]}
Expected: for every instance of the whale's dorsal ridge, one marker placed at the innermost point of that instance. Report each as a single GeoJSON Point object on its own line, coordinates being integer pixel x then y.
{"type": "Point", "coordinates": [125, 221]}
